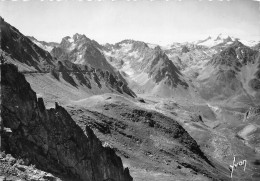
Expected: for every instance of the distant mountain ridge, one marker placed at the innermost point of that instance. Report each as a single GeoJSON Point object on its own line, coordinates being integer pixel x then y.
{"type": "Point", "coordinates": [147, 69]}
{"type": "Point", "coordinates": [48, 46]}
{"type": "Point", "coordinates": [92, 71]}
{"type": "Point", "coordinates": [223, 39]}
{"type": "Point", "coordinates": [236, 53]}
{"type": "Point", "coordinates": [214, 41]}
{"type": "Point", "coordinates": [233, 74]}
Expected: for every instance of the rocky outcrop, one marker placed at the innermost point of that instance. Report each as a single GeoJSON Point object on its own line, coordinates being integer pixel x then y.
{"type": "Point", "coordinates": [49, 138]}
{"type": "Point", "coordinates": [252, 112]}
{"type": "Point", "coordinates": [18, 170]}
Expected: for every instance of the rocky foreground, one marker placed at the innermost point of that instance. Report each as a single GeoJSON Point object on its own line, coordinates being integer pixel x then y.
{"type": "Point", "coordinates": [49, 138]}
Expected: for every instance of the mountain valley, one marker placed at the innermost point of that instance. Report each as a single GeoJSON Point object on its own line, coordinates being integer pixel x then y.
{"type": "Point", "coordinates": [85, 111]}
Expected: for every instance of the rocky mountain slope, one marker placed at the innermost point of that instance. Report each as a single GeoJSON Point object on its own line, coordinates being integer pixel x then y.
{"type": "Point", "coordinates": [146, 139]}
{"type": "Point", "coordinates": [85, 76]}
{"type": "Point", "coordinates": [249, 131]}
{"type": "Point", "coordinates": [197, 107]}
{"type": "Point", "coordinates": [22, 51]}
{"type": "Point", "coordinates": [147, 69]}
{"type": "Point", "coordinates": [79, 49]}
{"type": "Point", "coordinates": [232, 74]}
{"type": "Point", "coordinates": [49, 138]}
{"type": "Point", "coordinates": [93, 78]}
{"type": "Point", "coordinates": [188, 57]}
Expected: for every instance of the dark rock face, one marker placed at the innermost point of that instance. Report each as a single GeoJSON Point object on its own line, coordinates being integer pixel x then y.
{"type": "Point", "coordinates": [23, 49]}
{"type": "Point", "coordinates": [49, 138]}
{"type": "Point", "coordinates": [161, 68]}
{"type": "Point", "coordinates": [185, 49]}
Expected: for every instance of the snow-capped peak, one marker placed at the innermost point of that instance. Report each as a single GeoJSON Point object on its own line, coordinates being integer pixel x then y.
{"type": "Point", "coordinates": [250, 43]}
{"type": "Point", "coordinates": [216, 40]}
{"type": "Point", "coordinates": [224, 39]}
{"type": "Point", "coordinates": [222, 36]}
{"type": "Point", "coordinates": [75, 38]}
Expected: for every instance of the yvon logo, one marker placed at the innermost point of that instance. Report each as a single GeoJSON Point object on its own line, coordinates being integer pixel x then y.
{"type": "Point", "coordinates": [235, 165]}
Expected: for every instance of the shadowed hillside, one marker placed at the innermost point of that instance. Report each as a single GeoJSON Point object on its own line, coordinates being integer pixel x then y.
{"type": "Point", "coordinates": [49, 138]}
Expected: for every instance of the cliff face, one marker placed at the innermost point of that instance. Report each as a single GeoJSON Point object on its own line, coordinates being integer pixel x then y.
{"type": "Point", "coordinates": [49, 138]}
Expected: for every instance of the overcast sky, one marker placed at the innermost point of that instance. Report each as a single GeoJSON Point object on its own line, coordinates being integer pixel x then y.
{"type": "Point", "coordinates": [160, 22]}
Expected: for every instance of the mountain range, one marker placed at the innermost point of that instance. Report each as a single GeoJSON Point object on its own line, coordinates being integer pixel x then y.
{"type": "Point", "coordinates": [166, 112]}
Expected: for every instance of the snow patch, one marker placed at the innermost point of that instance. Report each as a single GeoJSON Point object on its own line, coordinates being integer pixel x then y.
{"type": "Point", "coordinates": [107, 53]}
{"type": "Point", "coordinates": [70, 40]}
{"type": "Point", "coordinates": [127, 69]}
{"type": "Point", "coordinates": [249, 43]}
{"type": "Point", "coordinates": [79, 59]}
{"type": "Point", "coordinates": [44, 47]}
{"type": "Point", "coordinates": [72, 46]}
{"type": "Point", "coordinates": [125, 47]}
{"type": "Point", "coordinates": [134, 54]}
{"type": "Point", "coordinates": [214, 108]}
{"type": "Point", "coordinates": [151, 45]}
{"type": "Point", "coordinates": [141, 78]}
